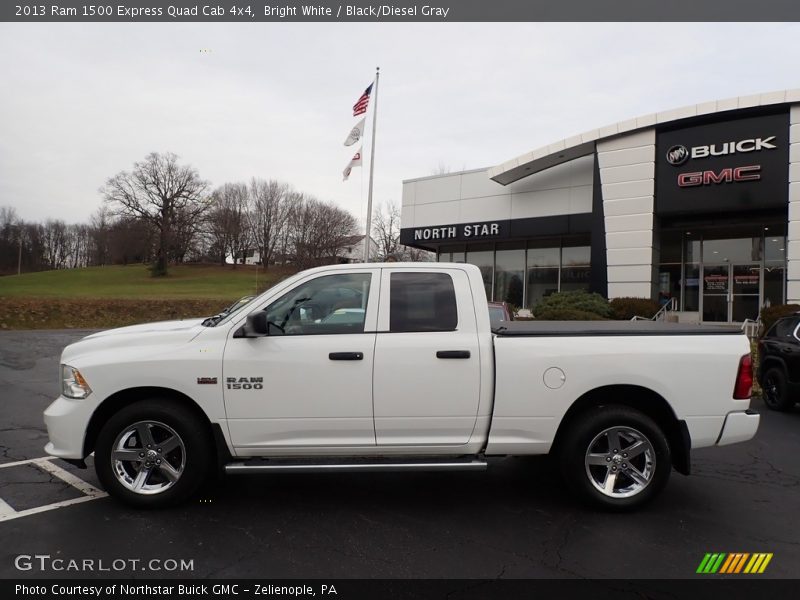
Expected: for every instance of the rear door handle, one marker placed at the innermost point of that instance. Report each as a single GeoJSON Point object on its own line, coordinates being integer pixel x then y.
{"type": "Point", "coordinates": [346, 356]}
{"type": "Point", "coordinates": [453, 354]}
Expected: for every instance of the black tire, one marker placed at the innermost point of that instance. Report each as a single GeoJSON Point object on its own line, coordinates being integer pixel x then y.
{"type": "Point", "coordinates": [192, 459]}
{"type": "Point", "coordinates": [776, 390]}
{"type": "Point", "coordinates": [594, 429]}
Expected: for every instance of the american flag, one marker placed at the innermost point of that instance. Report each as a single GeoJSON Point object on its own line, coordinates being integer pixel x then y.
{"type": "Point", "coordinates": [360, 107]}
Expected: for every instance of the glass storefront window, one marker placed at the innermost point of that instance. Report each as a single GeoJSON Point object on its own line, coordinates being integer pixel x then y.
{"type": "Point", "coordinates": [509, 274]}
{"type": "Point", "coordinates": [576, 256]}
{"type": "Point", "coordinates": [692, 249]}
{"type": "Point", "coordinates": [671, 246]}
{"type": "Point", "coordinates": [575, 268]}
{"type": "Point", "coordinates": [451, 254]}
{"type": "Point", "coordinates": [543, 257]}
{"type": "Point", "coordinates": [732, 251]}
{"type": "Point", "coordinates": [774, 277]}
{"type": "Point", "coordinates": [482, 255]}
{"type": "Point", "coordinates": [775, 248]}
{"type": "Point", "coordinates": [669, 283]}
{"type": "Point", "coordinates": [542, 282]}
{"type": "Point", "coordinates": [691, 288]}
{"type": "Point", "coordinates": [575, 278]}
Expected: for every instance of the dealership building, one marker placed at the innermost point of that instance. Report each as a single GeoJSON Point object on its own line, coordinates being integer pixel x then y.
{"type": "Point", "coordinates": [697, 207]}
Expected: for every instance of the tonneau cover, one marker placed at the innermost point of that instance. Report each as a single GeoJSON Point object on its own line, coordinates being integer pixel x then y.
{"type": "Point", "coordinates": [603, 328]}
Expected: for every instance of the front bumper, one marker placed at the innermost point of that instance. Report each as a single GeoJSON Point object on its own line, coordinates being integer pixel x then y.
{"type": "Point", "coordinates": [67, 421]}
{"type": "Point", "coordinates": [739, 427]}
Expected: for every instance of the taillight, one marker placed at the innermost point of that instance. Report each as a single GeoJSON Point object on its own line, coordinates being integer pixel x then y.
{"type": "Point", "coordinates": [744, 379]}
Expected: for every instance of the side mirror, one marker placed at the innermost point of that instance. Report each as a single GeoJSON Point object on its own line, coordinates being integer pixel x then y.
{"type": "Point", "coordinates": [256, 325]}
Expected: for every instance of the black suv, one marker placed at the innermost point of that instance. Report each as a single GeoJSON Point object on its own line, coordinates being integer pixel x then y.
{"type": "Point", "coordinates": [779, 363]}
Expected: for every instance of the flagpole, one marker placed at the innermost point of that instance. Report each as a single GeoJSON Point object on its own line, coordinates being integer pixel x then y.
{"type": "Point", "coordinates": [368, 236]}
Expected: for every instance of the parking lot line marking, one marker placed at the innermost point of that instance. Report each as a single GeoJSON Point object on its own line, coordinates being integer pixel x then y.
{"type": "Point", "coordinates": [67, 477]}
{"type": "Point", "coordinates": [5, 509]}
{"type": "Point", "coordinates": [47, 507]}
{"type": "Point", "coordinates": [7, 512]}
{"type": "Point", "coordinates": [20, 463]}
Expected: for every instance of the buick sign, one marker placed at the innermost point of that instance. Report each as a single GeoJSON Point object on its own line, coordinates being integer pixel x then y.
{"type": "Point", "coordinates": [677, 155]}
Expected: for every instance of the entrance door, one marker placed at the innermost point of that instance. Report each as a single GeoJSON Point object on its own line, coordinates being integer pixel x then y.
{"type": "Point", "coordinates": [731, 292]}
{"type": "Point", "coordinates": [716, 293]}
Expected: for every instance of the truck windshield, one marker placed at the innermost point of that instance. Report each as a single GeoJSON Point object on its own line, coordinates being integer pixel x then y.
{"type": "Point", "coordinates": [228, 311]}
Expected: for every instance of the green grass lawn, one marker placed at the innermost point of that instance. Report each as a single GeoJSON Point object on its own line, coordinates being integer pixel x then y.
{"type": "Point", "coordinates": [134, 281]}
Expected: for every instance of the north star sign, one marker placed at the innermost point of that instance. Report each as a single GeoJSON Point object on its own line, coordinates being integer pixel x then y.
{"type": "Point", "coordinates": [454, 232]}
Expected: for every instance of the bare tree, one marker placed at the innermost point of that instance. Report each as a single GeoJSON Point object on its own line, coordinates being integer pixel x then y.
{"type": "Point", "coordinates": [268, 216]}
{"type": "Point", "coordinates": [410, 254]}
{"type": "Point", "coordinates": [131, 240]}
{"type": "Point", "coordinates": [386, 230]}
{"type": "Point", "coordinates": [318, 232]}
{"type": "Point", "coordinates": [441, 169]}
{"type": "Point", "coordinates": [11, 239]}
{"type": "Point", "coordinates": [55, 243]}
{"type": "Point", "coordinates": [229, 222]}
{"type": "Point", "coordinates": [159, 191]}
{"type": "Point", "coordinates": [99, 231]}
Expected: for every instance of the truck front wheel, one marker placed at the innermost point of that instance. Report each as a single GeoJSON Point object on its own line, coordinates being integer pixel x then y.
{"type": "Point", "coordinates": [615, 457]}
{"type": "Point", "coordinates": [153, 453]}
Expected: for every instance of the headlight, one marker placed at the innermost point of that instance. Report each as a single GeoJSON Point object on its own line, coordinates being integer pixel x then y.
{"type": "Point", "coordinates": [73, 385]}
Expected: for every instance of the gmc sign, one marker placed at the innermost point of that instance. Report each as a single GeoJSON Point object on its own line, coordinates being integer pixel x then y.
{"type": "Point", "coordinates": [729, 175]}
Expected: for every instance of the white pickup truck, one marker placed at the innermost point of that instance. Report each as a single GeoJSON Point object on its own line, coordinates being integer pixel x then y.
{"type": "Point", "coordinates": [394, 367]}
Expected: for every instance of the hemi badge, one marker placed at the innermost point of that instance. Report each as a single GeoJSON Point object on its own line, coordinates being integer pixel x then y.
{"type": "Point", "coordinates": [202, 380]}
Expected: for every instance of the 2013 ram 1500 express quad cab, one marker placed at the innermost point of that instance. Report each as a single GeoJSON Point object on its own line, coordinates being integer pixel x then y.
{"type": "Point", "coordinates": [395, 367]}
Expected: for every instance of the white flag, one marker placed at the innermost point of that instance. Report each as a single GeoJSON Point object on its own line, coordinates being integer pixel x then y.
{"type": "Point", "coordinates": [354, 162]}
{"type": "Point", "coordinates": [355, 133]}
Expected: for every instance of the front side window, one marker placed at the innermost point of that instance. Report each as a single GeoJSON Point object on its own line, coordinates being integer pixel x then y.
{"type": "Point", "coordinates": [422, 302]}
{"type": "Point", "coordinates": [331, 304]}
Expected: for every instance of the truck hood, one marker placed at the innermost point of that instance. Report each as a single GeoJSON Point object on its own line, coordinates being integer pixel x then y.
{"type": "Point", "coordinates": [160, 326]}
{"type": "Point", "coordinates": [162, 335]}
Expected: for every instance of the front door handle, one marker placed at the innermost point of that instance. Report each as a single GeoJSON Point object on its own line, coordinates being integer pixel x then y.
{"type": "Point", "coordinates": [346, 356]}
{"type": "Point", "coordinates": [452, 354]}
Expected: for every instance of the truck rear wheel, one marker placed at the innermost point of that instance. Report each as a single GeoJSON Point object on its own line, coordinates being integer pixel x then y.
{"type": "Point", "coordinates": [615, 457]}
{"type": "Point", "coordinates": [153, 453]}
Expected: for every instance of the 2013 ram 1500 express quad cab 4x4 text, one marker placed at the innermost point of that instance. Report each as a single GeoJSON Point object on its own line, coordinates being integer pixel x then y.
{"type": "Point", "coordinates": [394, 367]}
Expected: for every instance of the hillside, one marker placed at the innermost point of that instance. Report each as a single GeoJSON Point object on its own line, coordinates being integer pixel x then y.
{"type": "Point", "coordinates": [101, 297]}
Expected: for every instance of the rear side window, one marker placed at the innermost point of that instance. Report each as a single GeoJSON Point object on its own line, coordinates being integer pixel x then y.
{"type": "Point", "coordinates": [783, 328]}
{"type": "Point", "coordinates": [422, 302]}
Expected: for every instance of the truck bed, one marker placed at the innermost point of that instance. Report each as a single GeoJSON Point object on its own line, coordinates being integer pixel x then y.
{"type": "Point", "coordinates": [608, 328]}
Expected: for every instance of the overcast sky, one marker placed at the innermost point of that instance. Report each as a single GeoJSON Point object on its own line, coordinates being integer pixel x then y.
{"type": "Point", "coordinates": [81, 102]}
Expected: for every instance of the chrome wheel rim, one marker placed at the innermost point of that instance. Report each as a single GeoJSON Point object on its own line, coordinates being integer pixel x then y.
{"type": "Point", "coordinates": [148, 457]}
{"type": "Point", "coordinates": [620, 462]}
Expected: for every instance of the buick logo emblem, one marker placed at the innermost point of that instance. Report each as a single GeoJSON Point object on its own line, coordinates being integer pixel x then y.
{"type": "Point", "coordinates": [677, 155]}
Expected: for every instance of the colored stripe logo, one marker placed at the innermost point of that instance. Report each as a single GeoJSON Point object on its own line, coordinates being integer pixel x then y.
{"type": "Point", "coordinates": [734, 562]}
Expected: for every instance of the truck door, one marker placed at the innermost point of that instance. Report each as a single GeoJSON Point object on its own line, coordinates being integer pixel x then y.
{"type": "Point", "coordinates": [427, 364]}
{"type": "Point", "coordinates": [308, 383]}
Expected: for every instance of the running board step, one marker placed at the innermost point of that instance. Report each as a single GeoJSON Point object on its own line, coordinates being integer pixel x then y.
{"type": "Point", "coordinates": [353, 466]}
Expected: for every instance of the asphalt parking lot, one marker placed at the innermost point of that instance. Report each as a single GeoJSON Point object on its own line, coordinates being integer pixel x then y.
{"type": "Point", "coordinates": [512, 521]}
